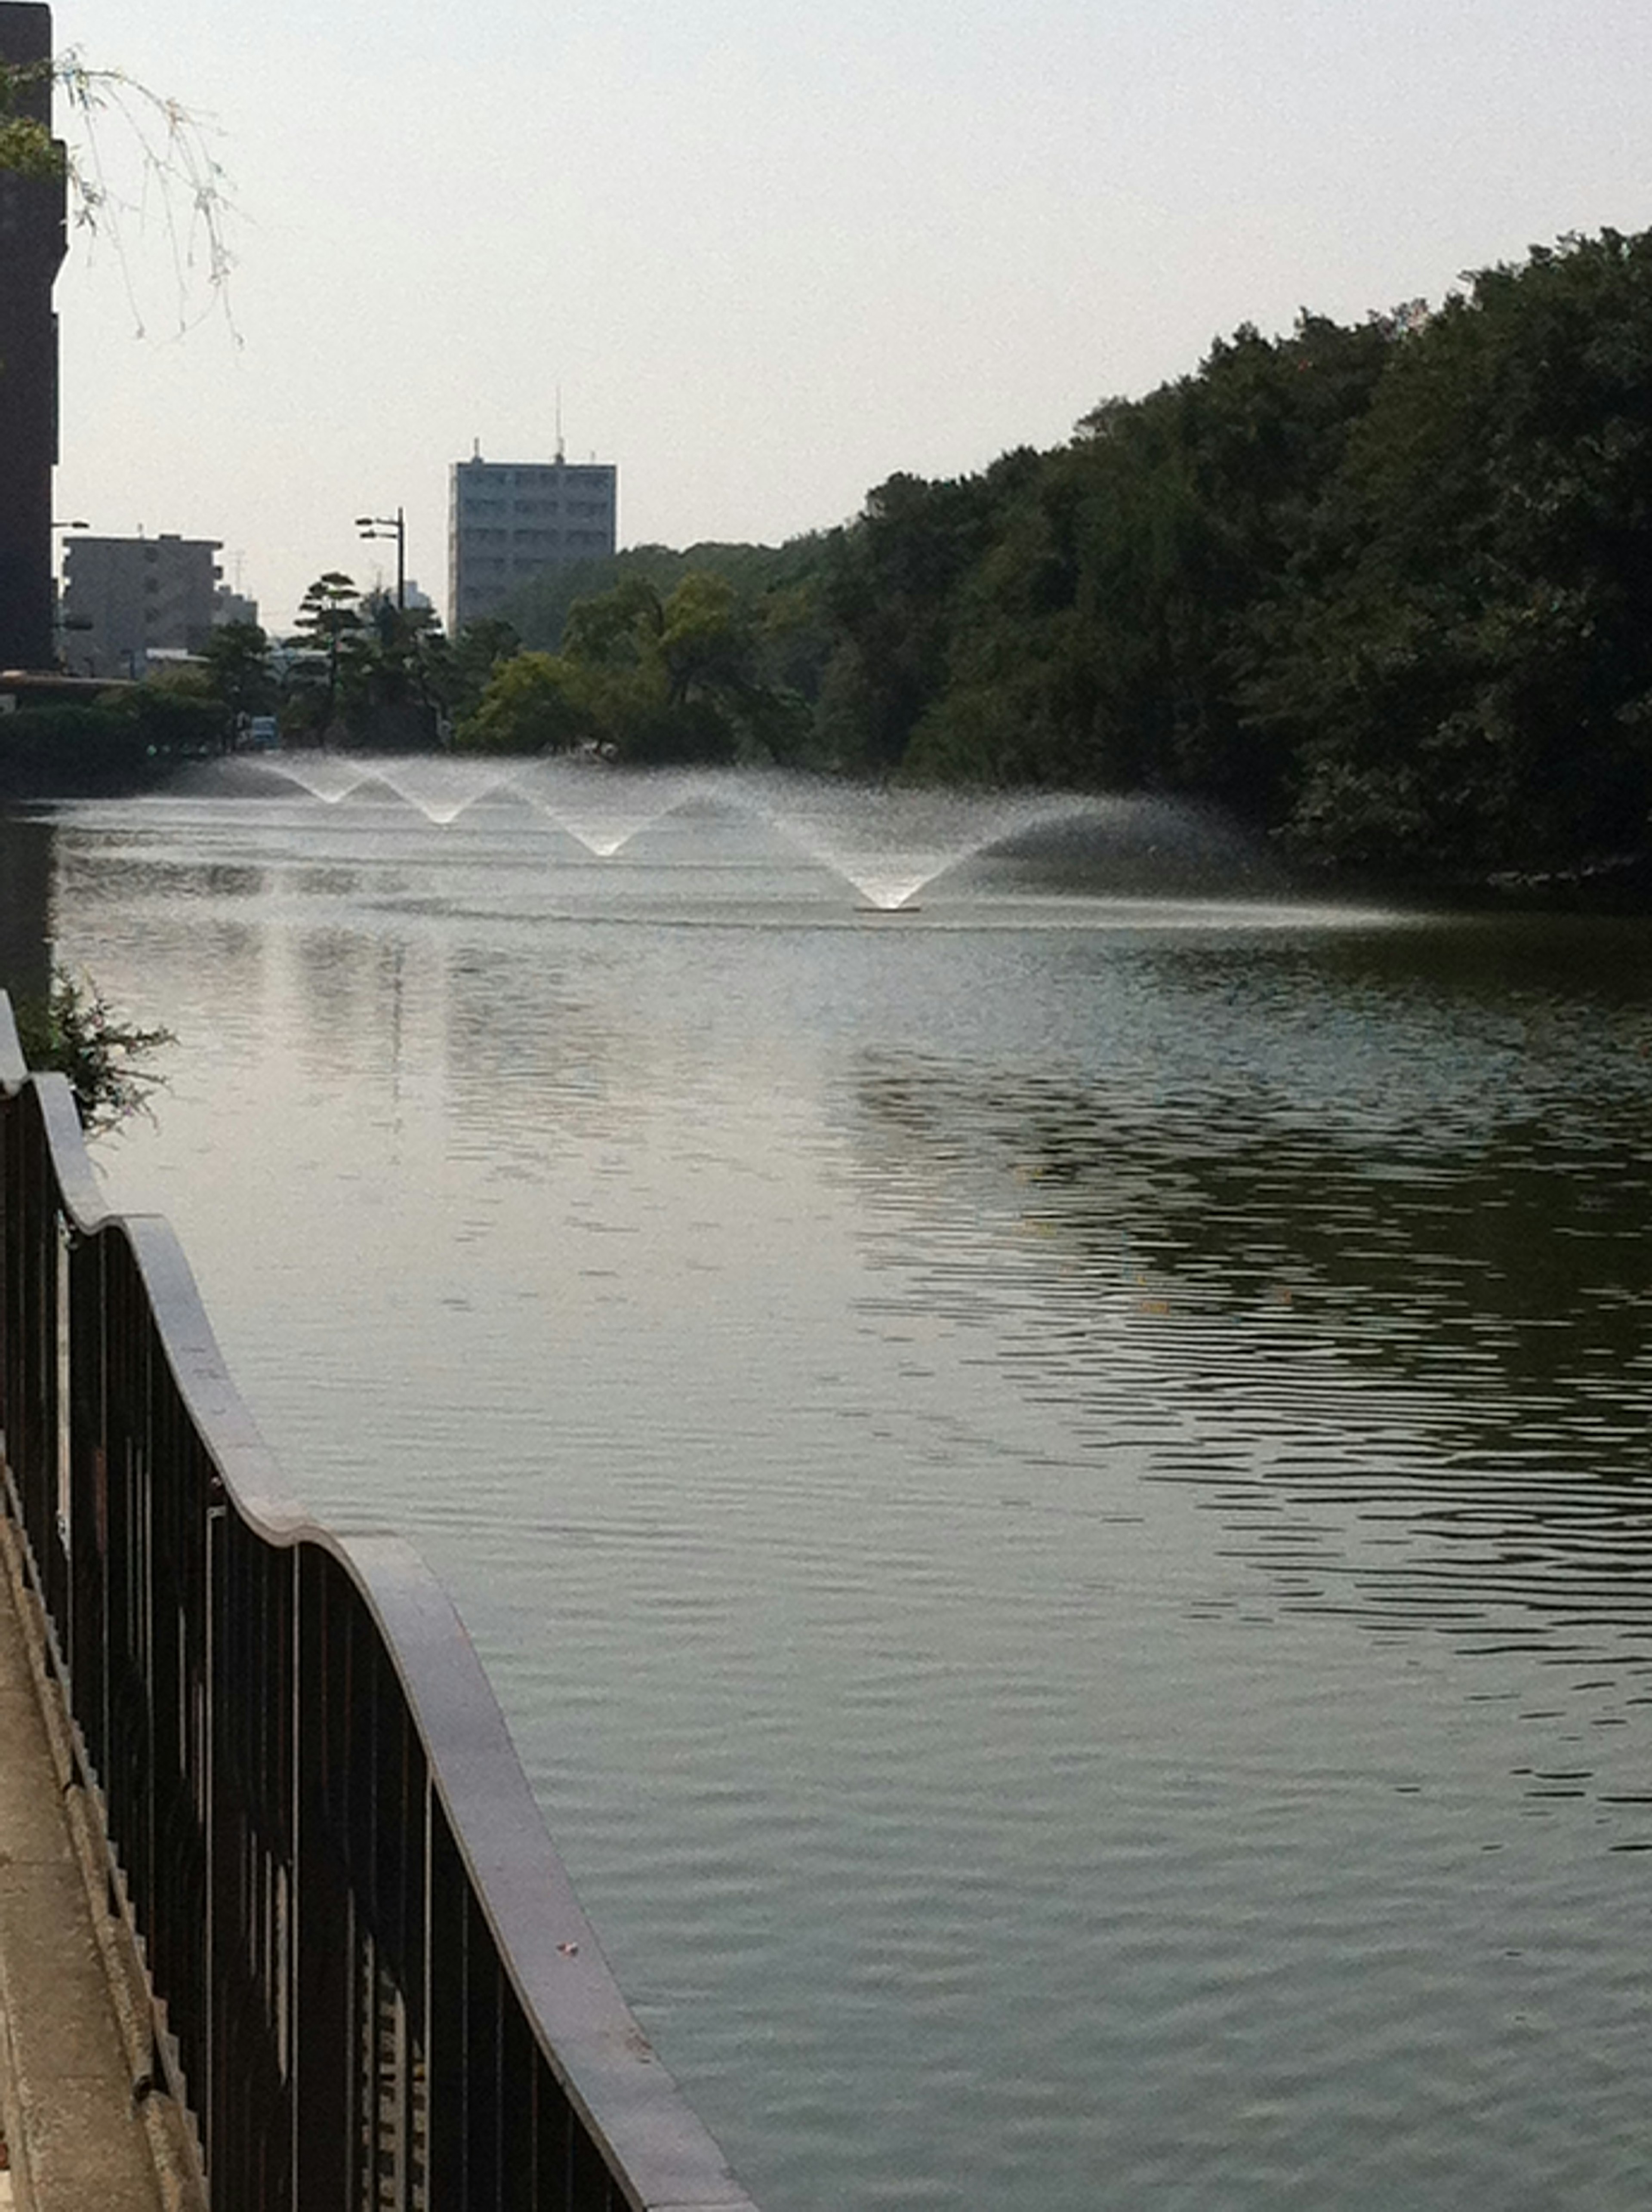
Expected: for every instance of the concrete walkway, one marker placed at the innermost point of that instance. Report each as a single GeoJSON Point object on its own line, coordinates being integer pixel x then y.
{"type": "Point", "coordinates": [75, 2139]}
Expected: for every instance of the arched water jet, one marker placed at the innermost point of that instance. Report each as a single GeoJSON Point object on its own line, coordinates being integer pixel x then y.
{"type": "Point", "coordinates": [441, 787]}
{"type": "Point", "coordinates": [438, 787]}
{"type": "Point", "coordinates": [600, 806]}
{"type": "Point", "coordinates": [328, 777]}
{"type": "Point", "coordinates": [887, 845]}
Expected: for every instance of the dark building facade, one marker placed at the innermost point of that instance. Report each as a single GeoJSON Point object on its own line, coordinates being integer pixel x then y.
{"type": "Point", "coordinates": [31, 245]}
{"type": "Point", "coordinates": [26, 870]}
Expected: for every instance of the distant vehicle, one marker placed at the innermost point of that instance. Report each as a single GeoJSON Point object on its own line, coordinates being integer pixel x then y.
{"type": "Point", "coordinates": [262, 733]}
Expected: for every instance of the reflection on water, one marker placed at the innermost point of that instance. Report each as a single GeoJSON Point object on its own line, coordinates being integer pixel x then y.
{"type": "Point", "coordinates": [1056, 1486]}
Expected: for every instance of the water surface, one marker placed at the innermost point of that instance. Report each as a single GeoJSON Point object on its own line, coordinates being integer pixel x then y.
{"type": "Point", "coordinates": [1055, 1484]}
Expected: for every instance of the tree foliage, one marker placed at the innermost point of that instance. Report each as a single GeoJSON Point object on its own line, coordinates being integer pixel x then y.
{"type": "Point", "coordinates": [1459, 662]}
{"type": "Point", "coordinates": [239, 672]}
{"type": "Point", "coordinates": [329, 617]}
{"type": "Point", "coordinates": [458, 670]}
{"type": "Point", "coordinates": [527, 706]}
{"type": "Point", "coordinates": [1380, 587]}
{"type": "Point", "coordinates": [26, 146]}
{"type": "Point", "coordinates": [698, 674]}
{"type": "Point", "coordinates": [539, 609]}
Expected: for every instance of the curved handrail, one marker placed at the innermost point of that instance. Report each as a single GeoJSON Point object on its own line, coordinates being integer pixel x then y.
{"type": "Point", "coordinates": [180, 1463]}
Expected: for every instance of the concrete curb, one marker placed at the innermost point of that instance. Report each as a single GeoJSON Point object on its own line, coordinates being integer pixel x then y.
{"type": "Point", "coordinates": [75, 2021]}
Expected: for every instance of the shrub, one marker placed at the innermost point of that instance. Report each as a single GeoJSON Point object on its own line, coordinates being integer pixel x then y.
{"type": "Point", "coordinates": [74, 1032]}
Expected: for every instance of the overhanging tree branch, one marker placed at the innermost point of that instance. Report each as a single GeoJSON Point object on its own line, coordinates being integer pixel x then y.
{"type": "Point", "coordinates": [160, 168]}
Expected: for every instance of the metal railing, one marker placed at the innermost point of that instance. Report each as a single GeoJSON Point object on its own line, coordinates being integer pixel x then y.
{"type": "Point", "coordinates": [372, 1987]}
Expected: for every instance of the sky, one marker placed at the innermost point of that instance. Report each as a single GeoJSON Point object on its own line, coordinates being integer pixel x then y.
{"type": "Point", "coordinates": [769, 254]}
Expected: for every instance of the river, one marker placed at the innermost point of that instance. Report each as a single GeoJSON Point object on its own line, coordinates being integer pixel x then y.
{"type": "Point", "coordinates": [1053, 1473]}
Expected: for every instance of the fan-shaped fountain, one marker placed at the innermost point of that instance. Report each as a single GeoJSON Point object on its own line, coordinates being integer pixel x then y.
{"type": "Point", "coordinates": [887, 843]}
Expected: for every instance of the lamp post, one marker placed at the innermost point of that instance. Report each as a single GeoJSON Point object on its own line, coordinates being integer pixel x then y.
{"type": "Point", "coordinates": [390, 526]}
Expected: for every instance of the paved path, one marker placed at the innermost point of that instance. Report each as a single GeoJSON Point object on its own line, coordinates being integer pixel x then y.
{"type": "Point", "coordinates": [75, 2142]}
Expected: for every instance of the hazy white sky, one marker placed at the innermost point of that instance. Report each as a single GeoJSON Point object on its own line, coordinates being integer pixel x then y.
{"type": "Point", "coordinates": [772, 252]}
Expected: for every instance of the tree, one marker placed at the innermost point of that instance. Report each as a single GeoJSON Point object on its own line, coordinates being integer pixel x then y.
{"type": "Point", "coordinates": [615, 629]}
{"type": "Point", "coordinates": [459, 669]}
{"type": "Point", "coordinates": [539, 608]}
{"type": "Point", "coordinates": [328, 616]}
{"type": "Point", "coordinates": [528, 706]}
{"type": "Point", "coordinates": [239, 673]}
{"type": "Point", "coordinates": [892, 586]}
{"type": "Point", "coordinates": [1461, 663]}
{"type": "Point", "coordinates": [647, 679]}
{"type": "Point", "coordinates": [388, 694]}
{"type": "Point", "coordinates": [649, 675]}
{"type": "Point", "coordinates": [705, 639]}
{"type": "Point", "coordinates": [680, 678]}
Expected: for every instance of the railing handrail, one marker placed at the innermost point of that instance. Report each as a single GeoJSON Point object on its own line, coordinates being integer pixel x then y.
{"type": "Point", "coordinates": [659, 2153]}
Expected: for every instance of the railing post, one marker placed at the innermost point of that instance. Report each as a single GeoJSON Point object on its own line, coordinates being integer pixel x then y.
{"type": "Point", "coordinates": [83, 1429]}
{"type": "Point", "coordinates": [322, 1930]}
{"type": "Point", "coordinates": [210, 2092]}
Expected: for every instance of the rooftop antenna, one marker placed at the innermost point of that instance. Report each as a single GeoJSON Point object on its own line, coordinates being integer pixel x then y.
{"type": "Point", "coordinates": [560, 449]}
{"type": "Point", "coordinates": [475, 449]}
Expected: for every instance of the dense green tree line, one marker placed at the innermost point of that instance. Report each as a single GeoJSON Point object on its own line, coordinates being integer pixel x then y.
{"type": "Point", "coordinates": [1381, 587]}
{"type": "Point", "coordinates": [1458, 657]}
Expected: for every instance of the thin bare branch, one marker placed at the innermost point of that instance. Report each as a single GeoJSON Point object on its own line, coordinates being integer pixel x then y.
{"type": "Point", "coordinates": [180, 184]}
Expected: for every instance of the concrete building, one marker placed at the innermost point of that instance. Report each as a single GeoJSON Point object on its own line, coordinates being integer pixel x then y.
{"type": "Point", "coordinates": [32, 242]}
{"type": "Point", "coordinates": [125, 598]}
{"type": "Point", "coordinates": [231, 606]}
{"type": "Point", "coordinates": [415, 598]}
{"type": "Point", "coordinates": [509, 520]}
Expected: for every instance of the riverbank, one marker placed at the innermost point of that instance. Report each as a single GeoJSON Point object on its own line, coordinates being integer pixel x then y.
{"type": "Point", "coordinates": [1620, 886]}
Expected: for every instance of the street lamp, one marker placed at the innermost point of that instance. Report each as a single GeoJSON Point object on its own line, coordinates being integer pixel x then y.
{"type": "Point", "coordinates": [390, 526]}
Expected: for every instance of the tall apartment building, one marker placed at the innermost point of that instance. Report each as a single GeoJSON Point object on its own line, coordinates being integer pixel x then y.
{"type": "Point", "coordinates": [509, 521]}
{"type": "Point", "coordinates": [31, 240]}
{"type": "Point", "coordinates": [125, 598]}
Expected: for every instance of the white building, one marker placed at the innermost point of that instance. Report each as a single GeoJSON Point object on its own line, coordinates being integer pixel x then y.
{"type": "Point", "coordinates": [509, 521]}
{"type": "Point", "coordinates": [126, 598]}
